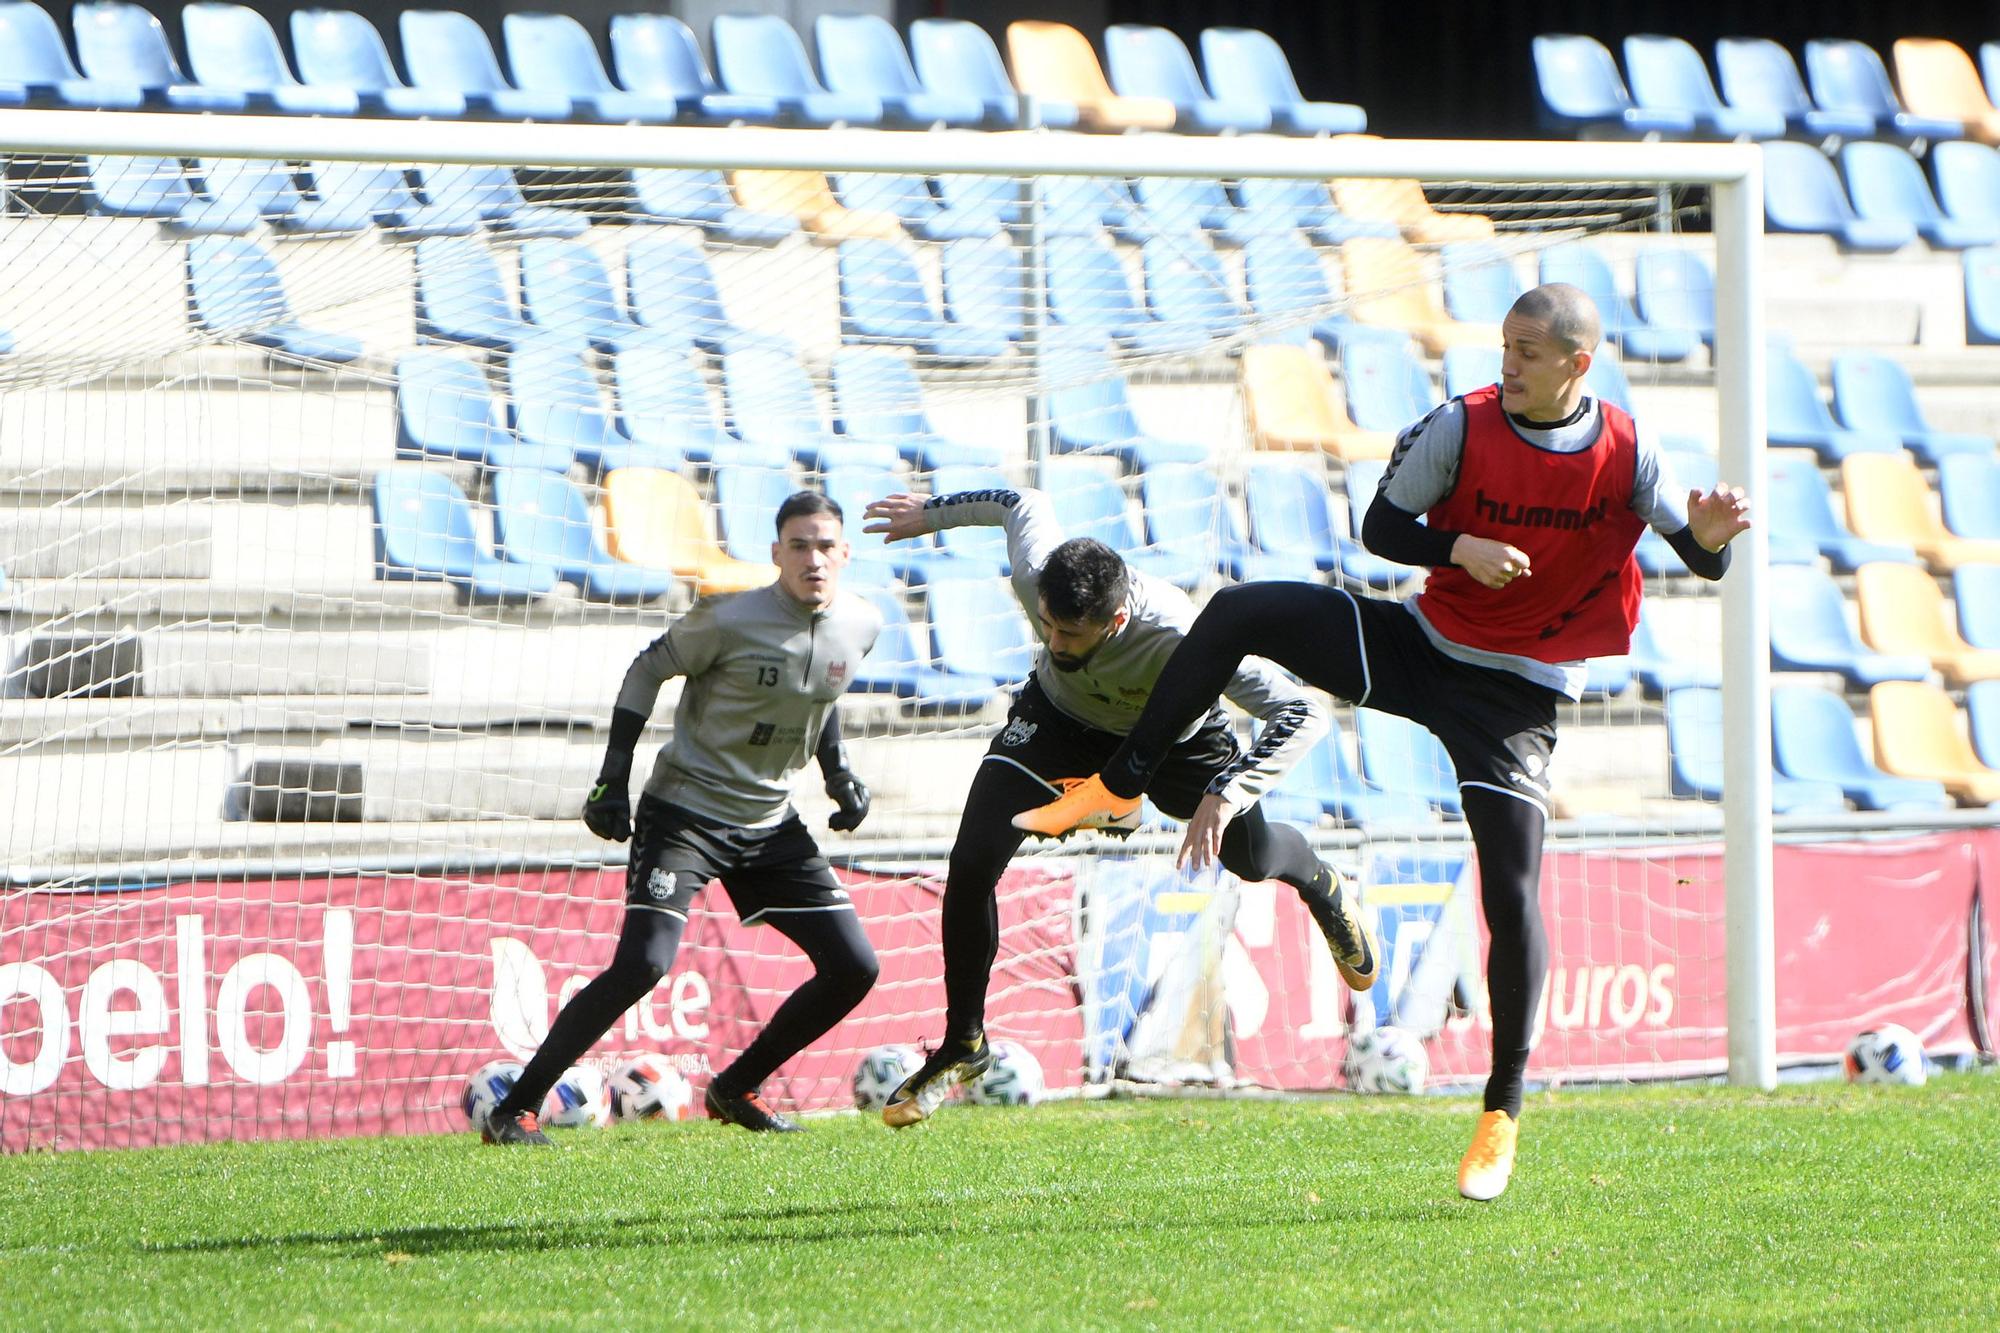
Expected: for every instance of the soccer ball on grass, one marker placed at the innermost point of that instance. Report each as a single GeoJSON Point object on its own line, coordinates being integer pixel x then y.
{"type": "Point", "coordinates": [649, 1088]}
{"type": "Point", "coordinates": [1386, 1060]}
{"type": "Point", "coordinates": [483, 1091]}
{"type": "Point", "coordinates": [1888, 1054]}
{"type": "Point", "coordinates": [1013, 1079]}
{"type": "Point", "coordinates": [579, 1100]}
{"type": "Point", "coordinates": [881, 1072]}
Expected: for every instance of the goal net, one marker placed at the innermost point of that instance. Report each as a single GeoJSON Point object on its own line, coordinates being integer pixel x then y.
{"type": "Point", "coordinates": [340, 493]}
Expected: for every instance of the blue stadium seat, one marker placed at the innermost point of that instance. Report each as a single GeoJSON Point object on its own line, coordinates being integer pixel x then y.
{"type": "Point", "coordinates": [1243, 65]}
{"type": "Point", "coordinates": [1401, 758]}
{"type": "Point", "coordinates": [1849, 76]}
{"type": "Point", "coordinates": [1088, 291]}
{"type": "Point", "coordinates": [1385, 383]}
{"type": "Point", "coordinates": [877, 397]}
{"type": "Point", "coordinates": [702, 199]}
{"type": "Point", "coordinates": [984, 287]}
{"type": "Point", "coordinates": [1667, 74]}
{"type": "Point", "coordinates": [1675, 290]}
{"type": "Point", "coordinates": [861, 54]}
{"type": "Point", "coordinates": [1813, 737]}
{"type": "Point", "coordinates": [551, 53]}
{"type": "Point", "coordinates": [1480, 283]}
{"type": "Point", "coordinates": [1976, 593]}
{"type": "Point", "coordinates": [1146, 61]}
{"type": "Point", "coordinates": [771, 402]}
{"type": "Point", "coordinates": [1968, 182]}
{"type": "Point", "coordinates": [556, 404]}
{"type": "Point", "coordinates": [1327, 779]}
{"type": "Point", "coordinates": [1282, 278]}
{"type": "Point", "coordinates": [1090, 504]}
{"type": "Point", "coordinates": [979, 632]}
{"type": "Point", "coordinates": [1760, 75]}
{"type": "Point", "coordinates": [1469, 368]}
{"type": "Point", "coordinates": [1187, 285]}
{"type": "Point", "coordinates": [1663, 663]}
{"type": "Point", "coordinates": [1270, 203]}
{"type": "Point", "coordinates": [1802, 193]}
{"type": "Point", "coordinates": [909, 200]}
{"type": "Point", "coordinates": [454, 193]}
{"type": "Point", "coordinates": [746, 508]}
{"type": "Point", "coordinates": [1582, 95]}
{"type": "Point", "coordinates": [1291, 515]}
{"type": "Point", "coordinates": [1810, 632]}
{"type": "Point", "coordinates": [1177, 205]}
{"type": "Point", "coordinates": [1886, 184]}
{"type": "Point", "coordinates": [1982, 715]}
{"type": "Point", "coordinates": [565, 289]}
{"type": "Point", "coordinates": [664, 406]}
{"type": "Point", "coordinates": [1982, 295]}
{"type": "Point", "coordinates": [1802, 514]}
{"type": "Point", "coordinates": [230, 196]}
{"type": "Point", "coordinates": [135, 187]}
{"type": "Point", "coordinates": [1796, 416]}
{"type": "Point", "coordinates": [123, 45]}
{"type": "Point", "coordinates": [1091, 414]}
{"type": "Point", "coordinates": [957, 56]}
{"type": "Point", "coordinates": [1582, 266]}
{"type": "Point", "coordinates": [1695, 743]}
{"type": "Point", "coordinates": [446, 409]}
{"type": "Point", "coordinates": [658, 55]}
{"type": "Point", "coordinates": [669, 286]}
{"type": "Point", "coordinates": [539, 518]}
{"type": "Point", "coordinates": [350, 197]}
{"type": "Point", "coordinates": [35, 66]}
{"type": "Point", "coordinates": [234, 47]}
{"type": "Point", "coordinates": [424, 529]}
{"type": "Point", "coordinates": [883, 300]}
{"type": "Point", "coordinates": [1969, 493]}
{"type": "Point", "coordinates": [1989, 68]}
{"type": "Point", "coordinates": [234, 292]}
{"type": "Point", "coordinates": [340, 49]}
{"type": "Point", "coordinates": [916, 560]}
{"type": "Point", "coordinates": [1186, 511]}
{"type": "Point", "coordinates": [460, 298]}
{"type": "Point", "coordinates": [448, 51]}
{"type": "Point", "coordinates": [761, 55]}
{"type": "Point", "coordinates": [1086, 206]}
{"type": "Point", "coordinates": [1873, 393]}
{"type": "Point", "coordinates": [1360, 480]}
{"type": "Point", "coordinates": [900, 664]}
{"type": "Point", "coordinates": [981, 205]}
{"type": "Point", "coordinates": [985, 545]}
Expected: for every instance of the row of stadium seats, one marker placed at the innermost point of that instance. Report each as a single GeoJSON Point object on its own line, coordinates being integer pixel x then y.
{"type": "Point", "coordinates": [1671, 95]}
{"type": "Point", "coordinates": [950, 74]}
{"type": "Point", "coordinates": [1885, 202]}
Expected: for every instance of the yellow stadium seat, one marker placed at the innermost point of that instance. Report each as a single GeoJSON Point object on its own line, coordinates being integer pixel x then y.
{"type": "Point", "coordinates": [1937, 79]}
{"type": "Point", "coordinates": [1902, 611]}
{"type": "Point", "coordinates": [1403, 203]}
{"type": "Point", "coordinates": [1888, 501]}
{"type": "Point", "coordinates": [1919, 734]}
{"type": "Point", "coordinates": [1387, 280]}
{"type": "Point", "coordinates": [1291, 403]}
{"type": "Point", "coordinates": [1055, 61]}
{"type": "Point", "coordinates": [805, 195]}
{"type": "Point", "coordinates": [658, 518]}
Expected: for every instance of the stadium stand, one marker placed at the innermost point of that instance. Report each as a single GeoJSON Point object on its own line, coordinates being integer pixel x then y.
{"type": "Point", "coordinates": [1303, 206]}
{"type": "Point", "coordinates": [1982, 715]}
{"type": "Point", "coordinates": [1055, 61]}
{"type": "Point", "coordinates": [1088, 291]}
{"type": "Point", "coordinates": [446, 409]}
{"type": "Point", "coordinates": [746, 508]}
{"type": "Point", "coordinates": [1967, 176]}
{"type": "Point", "coordinates": [1976, 596]}
{"type": "Point", "coordinates": [1359, 482]}
{"type": "Point", "coordinates": [539, 518]}
{"type": "Point", "coordinates": [1903, 612]}
{"type": "Point", "coordinates": [1581, 94]}
{"type": "Point", "coordinates": [448, 51]}
{"type": "Point", "coordinates": [1089, 504]}
{"type": "Point", "coordinates": [664, 407]}
{"type": "Point", "coordinates": [1289, 404]}
{"type": "Point", "coordinates": [1480, 284]}
{"type": "Point", "coordinates": [1667, 74]}
{"type": "Point", "coordinates": [670, 287]}
{"type": "Point", "coordinates": [1918, 735]}
{"type": "Point", "coordinates": [1400, 758]}
{"type": "Point", "coordinates": [987, 546]}
{"type": "Point", "coordinates": [1695, 738]}
{"type": "Point", "coordinates": [703, 199]}
{"type": "Point", "coordinates": [978, 632]}
{"type": "Point", "coordinates": [1291, 516]}
{"type": "Point", "coordinates": [1887, 184]}
{"type": "Point", "coordinates": [1969, 494]}
{"type": "Point", "coordinates": [1282, 277]}
{"type": "Point", "coordinates": [1092, 413]}
{"type": "Point", "coordinates": [883, 299]}
{"type": "Point", "coordinates": [1406, 299]}
{"type": "Point", "coordinates": [1873, 393]}
{"type": "Point", "coordinates": [1174, 206]}
{"type": "Point", "coordinates": [119, 44]}
{"type": "Point", "coordinates": [1674, 289]}
{"type": "Point", "coordinates": [1796, 416]}
{"type": "Point", "coordinates": [557, 404]}
{"type": "Point", "coordinates": [984, 287]}
{"type": "Point", "coordinates": [901, 665]}
{"type": "Point", "coordinates": [1244, 65]}
{"type": "Point", "coordinates": [761, 56]}
{"type": "Point", "coordinates": [424, 529]}
{"type": "Point", "coordinates": [552, 53]}
{"type": "Point", "coordinates": [493, 197]}
{"type": "Point", "coordinates": [806, 199]}
{"type": "Point", "coordinates": [1804, 524]}
{"type": "Point", "coordinates": [659, 56]}
{"type": "Point", "coordinates": [1887, 500]}
{"type": "Point", "coordinates": [1663, 662]}
{"type": "Point", "coordinates": [460, 298]}
{"type": "Point", "coordinates": [1469, 368]}
{"type": "Point", "coordinates": [565, 286]}
{"type": "Point", "coordinates": [1758, 74]}
{"type": "Point", "coordinates": [1404, 203]}
{"type": "Point", "coordinates": [234, 292]}
{"type": "Point", "coordinates": [1633, 335]}
{"type": "Point", "coordinates": [1938, 80]}
{"type": "Point", "coordinates": [1810, 632]}
{"type": "Point", "coordinates": [916, 560]}
{"type": "Point", "coordinates": [1813, 737]}
{"type": "Point", "coordinates": [861, 55]}
{"type": "Point", "coordinates": [1803, 193]}
{"type": "Point", "coordinates": [1150, 62]}
{"type": "Point", "coordinates": [234, 47]}
{"type": "Point", "coordinates": [340, 49]}
{"type": "Point", "coordinates": [910, 201]}
{"type": "Point", "coordinates": [957, 55]}
{"type": "Point", "coordinates": [659, 520]}
{"type": "Point", "coordinates": [876, 396]}
{"type": "Point", "coordinates": [1849, 76]}
{"type": "Point", "coordinates": [1186, 286]}
{"type": "Point", "coordinates": [1385, 384]}
{"type": "Point", "coordinates": [771, 402]}
{"type": "Point", "coordinates": [1185, 510]}
{"type": "Point", "coordinates": [1982, 296]}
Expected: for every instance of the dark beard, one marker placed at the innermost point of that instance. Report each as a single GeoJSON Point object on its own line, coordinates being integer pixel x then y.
{"type": "Point", "coordinates": [1067, 663]}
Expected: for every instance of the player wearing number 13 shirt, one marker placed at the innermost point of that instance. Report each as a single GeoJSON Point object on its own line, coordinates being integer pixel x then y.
{"type": "Point", "coordinates": [762, 670]}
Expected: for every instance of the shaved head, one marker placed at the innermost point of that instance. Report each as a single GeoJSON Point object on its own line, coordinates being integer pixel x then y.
{"type": "Point", "coordinates": [1567, 311]}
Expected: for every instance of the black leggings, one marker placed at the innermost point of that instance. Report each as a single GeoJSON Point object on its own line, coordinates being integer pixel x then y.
{"type": "Point", "coordinates": [1253, 849]}
{"type": "Point", "coordinates": [834, 941]}
{"type": "Point", "coordinates": [1316, 633]}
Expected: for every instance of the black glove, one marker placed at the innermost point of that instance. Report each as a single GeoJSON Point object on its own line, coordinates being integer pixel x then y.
{"type": "Point", "coordinates": [852, 798]}
{"type": "Point", "coordinates": [608, 810]}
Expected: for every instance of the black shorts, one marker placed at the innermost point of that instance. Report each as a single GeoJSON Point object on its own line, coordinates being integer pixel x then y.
{"type": "Point", "coordinates": [1048, 744]}
{"type": "Point", "coordinates": [1499, 728]}
{"type": "Point", "coordinates": [676, 852]}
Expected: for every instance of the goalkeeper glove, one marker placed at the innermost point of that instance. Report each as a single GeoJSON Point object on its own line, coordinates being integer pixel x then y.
{"type": "Point", "coordinates": [607, 812]}
{"type": "Point", "coordinates": [851, 796]}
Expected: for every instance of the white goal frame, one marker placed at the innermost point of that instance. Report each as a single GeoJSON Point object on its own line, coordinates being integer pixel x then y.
{"type": "Point", "coordinates": [1732, 172]}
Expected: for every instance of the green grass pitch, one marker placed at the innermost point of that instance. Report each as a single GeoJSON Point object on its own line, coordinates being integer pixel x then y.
{"type": "Point", "coordinates": [1820, 1205]}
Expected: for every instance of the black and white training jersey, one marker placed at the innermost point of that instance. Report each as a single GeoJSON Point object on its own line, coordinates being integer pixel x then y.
{"type": "Point", "coordinates": [762, 672]}
{"type": "Point", "coordinates": [1111, 690]}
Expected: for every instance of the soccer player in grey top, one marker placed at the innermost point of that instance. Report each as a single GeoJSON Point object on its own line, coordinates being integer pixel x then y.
{"type": "Point", "coordinates": [763, 670]}
{"type": "Point", "coordinates": [1107, 632]}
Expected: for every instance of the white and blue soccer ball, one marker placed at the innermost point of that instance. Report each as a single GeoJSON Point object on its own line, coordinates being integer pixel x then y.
{"type": "Point", "coordinates": [648, 1087]}
{"type": "Point", "coordinates": [881, 1072]}
{"type": "Point", "coordinates": [579, 1100]}
{"type": "Point", "coordinates": [1888, 1054]}
{"type": "Point", "coordinates": [1386, 1060]}
{"type": "Point", "coordinates": [483, 1091]}
{"type": "Point", "coordinates": [1013, 1079]}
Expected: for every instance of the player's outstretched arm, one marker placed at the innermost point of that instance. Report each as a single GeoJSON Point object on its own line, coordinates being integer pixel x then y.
{"type": "Point", "coordinates": [897, 517]}
{"type": "Point", "coordinates": [1718, 518]}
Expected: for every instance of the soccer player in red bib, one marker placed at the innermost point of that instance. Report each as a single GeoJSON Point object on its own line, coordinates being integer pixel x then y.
{"type": "Point", "coordinates": [1533, 496]}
